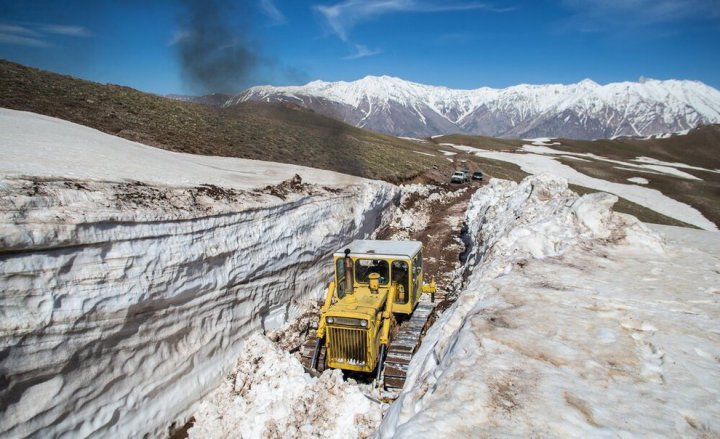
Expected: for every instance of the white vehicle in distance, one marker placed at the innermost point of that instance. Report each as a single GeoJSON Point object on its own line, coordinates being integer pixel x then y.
{"type": "Point", "coordinates": [459, 177]}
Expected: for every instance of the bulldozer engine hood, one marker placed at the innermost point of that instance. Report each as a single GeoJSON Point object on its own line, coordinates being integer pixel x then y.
{"type": "Point", "coordinates": [360, 304]}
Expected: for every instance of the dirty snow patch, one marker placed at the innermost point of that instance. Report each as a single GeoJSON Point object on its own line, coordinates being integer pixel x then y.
{"type": "Point", "coordinates": [269, 394]}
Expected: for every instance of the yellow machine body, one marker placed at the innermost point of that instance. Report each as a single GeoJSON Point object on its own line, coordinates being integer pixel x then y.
{"type": "Point", "coordinates": [358, 315]}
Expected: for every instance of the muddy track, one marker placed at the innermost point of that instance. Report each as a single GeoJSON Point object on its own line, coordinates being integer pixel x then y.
{"type": "Point", "coordinates": [442, 207]}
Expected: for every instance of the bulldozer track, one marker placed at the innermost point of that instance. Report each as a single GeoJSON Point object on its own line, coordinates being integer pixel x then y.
{"type": "Point", "coordinates": [404, 344]}
{"type": "Point", "coordinates": [399, 353]}
{"type": "Point", "coordinates": [306, 353]}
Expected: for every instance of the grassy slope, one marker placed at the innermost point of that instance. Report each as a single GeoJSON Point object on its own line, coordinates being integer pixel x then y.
{"type": "Point", "coordinates": [273, 132]}
{"type": "Point", "coordinates": [701, 147]}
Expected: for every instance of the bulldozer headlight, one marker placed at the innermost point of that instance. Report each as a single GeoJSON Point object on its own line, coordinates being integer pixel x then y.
{"type": "Point", "coordinates": [347, 321]}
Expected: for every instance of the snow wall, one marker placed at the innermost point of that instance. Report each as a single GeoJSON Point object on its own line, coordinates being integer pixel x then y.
{"type": "Point", "coordinates": [496, 362]}
{"type": "Point", "coordinates": [122, 305]}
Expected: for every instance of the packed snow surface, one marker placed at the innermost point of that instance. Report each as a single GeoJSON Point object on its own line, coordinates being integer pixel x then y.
{"type": "Point", "coordinates": [575, 321]}
{"type": "Point", "coordinates": [130, 279]}
{"type": "Point", "coordinates": [638, 180]}
{"type": "Point", "coordinates": [32, 144]}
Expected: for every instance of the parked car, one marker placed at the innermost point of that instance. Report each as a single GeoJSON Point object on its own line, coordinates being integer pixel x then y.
{"type": "Point", "coordinates": [459, 177]}
{"type": "Point", "coordinates": [477, 175]}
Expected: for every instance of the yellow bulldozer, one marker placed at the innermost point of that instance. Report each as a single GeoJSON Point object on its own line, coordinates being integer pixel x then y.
{"type": "Point", "coordinates": [372, 319]}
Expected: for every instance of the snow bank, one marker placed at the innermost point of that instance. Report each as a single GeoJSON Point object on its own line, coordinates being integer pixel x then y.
{"type": "Point", "coordinates": [580, 322]}
{"type": "Point", "coordinates": [122, 303]}
{"type": "Point", "coordinates": [269, 394]}
{"type": "Point", "coordinates": [33, 144]}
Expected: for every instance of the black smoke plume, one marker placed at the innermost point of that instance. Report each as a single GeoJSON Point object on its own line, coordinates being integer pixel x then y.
{"type": "Point", "coordinates": [215, 51]}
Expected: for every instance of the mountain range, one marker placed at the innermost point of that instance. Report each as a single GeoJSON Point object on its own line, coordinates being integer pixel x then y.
{"type": "Point", "coordinates": [585, 110]}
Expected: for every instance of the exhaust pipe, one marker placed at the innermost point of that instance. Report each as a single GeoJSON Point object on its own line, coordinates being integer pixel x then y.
{"type": "Point", "coordinates": [347, 262]}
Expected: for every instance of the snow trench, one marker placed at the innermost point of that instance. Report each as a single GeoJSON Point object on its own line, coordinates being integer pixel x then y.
{"type": "Point", "coordinates": [122, 304]}
{"type": "Point", "coordinates": [574, 321]}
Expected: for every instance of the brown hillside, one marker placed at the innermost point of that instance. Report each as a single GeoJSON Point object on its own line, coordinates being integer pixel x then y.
{"type": "Point", "coordinates": [255, 130]}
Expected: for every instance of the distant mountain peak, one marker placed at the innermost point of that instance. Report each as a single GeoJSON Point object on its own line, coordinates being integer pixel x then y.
{"type": "Point", "coordinates": [585, 109]}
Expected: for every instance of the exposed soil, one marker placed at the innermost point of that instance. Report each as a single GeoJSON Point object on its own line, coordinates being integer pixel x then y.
{"type": "Point", "coordinates": [444, 208]}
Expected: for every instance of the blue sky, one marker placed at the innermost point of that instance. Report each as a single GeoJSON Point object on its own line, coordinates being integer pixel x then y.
{"type": "Point", "coordinates": [155, 45]}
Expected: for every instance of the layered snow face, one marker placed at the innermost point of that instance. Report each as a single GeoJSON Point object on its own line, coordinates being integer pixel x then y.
{"type": "Point", "coordinates": [269, 394]}
{"type": "Point", "coordinates": [585, 110]}
{"type": "Point", "coordinates": [123, 302]}
{"type": "Point", "coordinates": [575, 322]}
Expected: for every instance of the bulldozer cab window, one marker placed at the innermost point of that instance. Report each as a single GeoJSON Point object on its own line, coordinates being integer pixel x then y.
{"type": "Point", "coordinates": [400, 276]}
{"type": "Point", "coordinates": [417, 271]}
{"type": "Point", "coordinates": [365, 267]}
{"type": "Point", "coordinates": [340, 278]}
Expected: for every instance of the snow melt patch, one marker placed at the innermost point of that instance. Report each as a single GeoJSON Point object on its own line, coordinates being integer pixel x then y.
{"type": "Point", "coordinates": [638, 180]}
{"type": "Point", "coordinates": [269, 394]}
{"type": "Point", "coordinates": [650, 198]}
{"type": "Point", "coordinates": [653, 161]}
{"type": "Point", "coordinates": [654, 165]}
{"type": "Point", "coordinates": [592, 325]}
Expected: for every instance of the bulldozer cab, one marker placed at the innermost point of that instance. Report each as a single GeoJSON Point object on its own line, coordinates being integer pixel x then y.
{"type": "Point", "coordinates": [398, 264]}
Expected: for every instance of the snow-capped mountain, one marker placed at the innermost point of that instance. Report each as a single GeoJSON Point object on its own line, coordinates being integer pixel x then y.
{"type": "Point", "coordinates": [583, 110]}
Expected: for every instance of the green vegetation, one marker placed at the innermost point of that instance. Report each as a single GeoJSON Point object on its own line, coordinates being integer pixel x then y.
{"type": "Point", "coordinates": [274, 132]}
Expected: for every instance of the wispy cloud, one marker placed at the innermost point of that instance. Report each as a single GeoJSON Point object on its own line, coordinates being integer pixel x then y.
{"type": "Point", "coordinates": [14, 29]}
{"type": "Point", "coordinates": [70, 31]}
{"type": "Point", "coordinates": [608, 15]}
{"type": "Point", "coordinates": [268, 8]}
{"type": "Point", "coordinates": [361, 52]}
{"type": "Point", "coordinates": [20, 40]}
{"type": "Point", "coordinates": [178, 36]}
{"type": "Point", "coordinates": [37, 35]}
{"type": "Point", "coordinates": [342, 17]}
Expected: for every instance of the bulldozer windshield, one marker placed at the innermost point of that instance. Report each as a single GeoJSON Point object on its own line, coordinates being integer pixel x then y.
{"type": "Point", "coordinates": [401, 278]}
{"type": "Point", "coordinates": [365, 267]}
